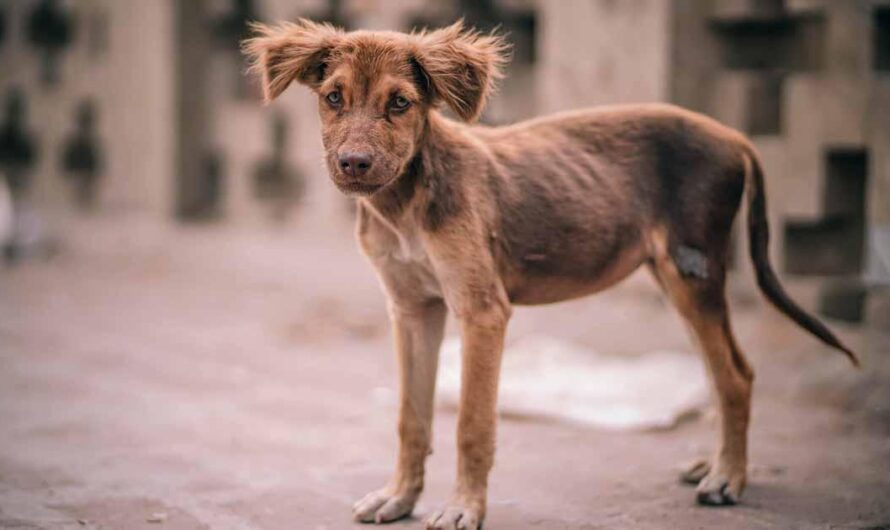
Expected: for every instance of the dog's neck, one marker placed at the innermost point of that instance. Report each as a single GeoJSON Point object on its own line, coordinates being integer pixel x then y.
{"type": "Point", "coordinates": [426, 181]}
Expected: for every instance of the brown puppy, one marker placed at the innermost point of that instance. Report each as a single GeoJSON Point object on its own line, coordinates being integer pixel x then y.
{"type": "Point", "coordinates": [474, 219]}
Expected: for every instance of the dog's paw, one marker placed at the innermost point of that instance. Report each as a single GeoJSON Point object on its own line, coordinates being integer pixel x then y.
{"type": "Point", "coordinates": [456, 516]}
{"type": "Point", "coordinates": [722, 486]}
{"type": "Point", "coordinates": [383, 506]}
{"type": "Point", "coordinates": [694, 472]}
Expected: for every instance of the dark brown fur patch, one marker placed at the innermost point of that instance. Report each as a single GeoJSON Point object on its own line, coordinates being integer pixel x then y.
{"type": "Point", "coordinates": [441, 178]}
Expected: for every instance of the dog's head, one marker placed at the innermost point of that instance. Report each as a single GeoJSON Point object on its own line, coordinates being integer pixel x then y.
{"type": "Point", "coordinates": [375, 89]}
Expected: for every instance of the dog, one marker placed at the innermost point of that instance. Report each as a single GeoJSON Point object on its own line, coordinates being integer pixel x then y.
{"type": "Point", "coordinates": [474, 219]}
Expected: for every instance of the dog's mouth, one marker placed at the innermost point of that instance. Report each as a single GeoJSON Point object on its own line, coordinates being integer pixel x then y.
{"type": "Point", "coordinates": [359, 189]}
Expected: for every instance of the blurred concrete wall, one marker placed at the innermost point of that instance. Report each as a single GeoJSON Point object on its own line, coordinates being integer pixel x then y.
{"type": "Point", "coordinates": [809, 80]}
{"type": "Point", "coordinates": [806, 79]}
{"type": "Point", "coordinates": [595, 53]}
{"type": "Point", "coordinates": [121, 58]}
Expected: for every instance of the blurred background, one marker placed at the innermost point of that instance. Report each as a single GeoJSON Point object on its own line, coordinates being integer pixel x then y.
{"type": "Point", "coordinates": [188, 336]}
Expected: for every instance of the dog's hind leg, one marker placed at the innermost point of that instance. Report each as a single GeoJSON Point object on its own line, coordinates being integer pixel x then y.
{"type": "Point", "coordinates": [697, 291]}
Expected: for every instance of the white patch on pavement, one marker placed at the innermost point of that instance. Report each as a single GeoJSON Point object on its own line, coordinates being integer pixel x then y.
{"type": "Point", "coordinates": [545, 377]}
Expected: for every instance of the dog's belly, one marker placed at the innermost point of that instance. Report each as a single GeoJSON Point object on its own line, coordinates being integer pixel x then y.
{"type": "Point", "coordinates": [537, 287]}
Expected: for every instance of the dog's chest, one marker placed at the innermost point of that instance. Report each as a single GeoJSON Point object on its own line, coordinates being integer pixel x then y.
{"type": "Point", "coordinates": [399, 255]}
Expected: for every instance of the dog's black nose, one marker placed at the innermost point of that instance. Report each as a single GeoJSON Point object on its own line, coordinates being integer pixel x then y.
{"type": "Point", "coordinates": [355, 164]}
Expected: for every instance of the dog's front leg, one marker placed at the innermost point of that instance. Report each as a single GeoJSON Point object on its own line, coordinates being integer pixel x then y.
{"type": "Point", "coordinates": [482, 334]}
{"type": "Point", "coordinates": [417, 331]}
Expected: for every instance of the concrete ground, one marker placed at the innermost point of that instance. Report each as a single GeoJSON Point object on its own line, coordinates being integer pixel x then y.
{"type": "Point", "coordinates": [206, 377]}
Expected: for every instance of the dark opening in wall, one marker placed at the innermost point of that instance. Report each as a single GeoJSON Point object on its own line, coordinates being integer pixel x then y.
{"type": "Point", "coordinates": [764, 105]}
{"type": "Point", "coordinates": [843, 299]}
{"type": "Point", "coordinates": [517, 24]}
{"type": "Point", "coordinates": [834, 244]}
{"type": "Point", "coordinates": [767, 7]}
{"type": "Point", "coordinates": [2, 25]}
{"type": "Point", "coordinates": [881, 38]}
{"type": "Point", "coordinates": [771, 41]}
{"type": "Point", "coordinates": [523, 29]}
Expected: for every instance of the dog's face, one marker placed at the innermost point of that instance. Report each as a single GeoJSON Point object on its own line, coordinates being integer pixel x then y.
{"type": "Point", "coordinates": [376, 89]}
{"type": "Point", "coordinates": [372, 115]}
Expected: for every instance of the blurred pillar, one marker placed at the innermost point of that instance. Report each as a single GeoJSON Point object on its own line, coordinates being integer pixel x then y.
{"type": "Point", "coordinates": [193, 100]}
{"type": "Point", "coordinates": [602, 52]}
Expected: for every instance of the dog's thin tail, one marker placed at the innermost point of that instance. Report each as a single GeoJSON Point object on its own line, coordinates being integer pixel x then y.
{"type": "Point", "coordinates": [758, 233]}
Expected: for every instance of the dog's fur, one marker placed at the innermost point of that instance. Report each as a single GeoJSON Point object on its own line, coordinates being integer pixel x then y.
{"type": "Point", "coordinates": [475, 219]}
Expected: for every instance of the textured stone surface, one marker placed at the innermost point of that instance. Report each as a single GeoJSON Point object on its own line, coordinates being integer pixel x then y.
{"type": "Point", "coordinates": [242, 379]}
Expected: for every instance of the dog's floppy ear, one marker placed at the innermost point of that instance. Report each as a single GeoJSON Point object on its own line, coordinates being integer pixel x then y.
{"type": "Point", "coordinates": [290, 52]}
{"type": "Point", "coordinates": [461, 66]}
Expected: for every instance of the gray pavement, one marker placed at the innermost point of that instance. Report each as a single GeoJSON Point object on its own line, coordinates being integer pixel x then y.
{"type": "Point", "coordinates": [240, 378]}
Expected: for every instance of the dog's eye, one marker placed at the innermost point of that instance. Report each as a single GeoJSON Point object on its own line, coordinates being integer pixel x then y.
{"type": "Point", "coordinates": [334, 98]}
{"type": "Point", "coordinates": [400, 103]}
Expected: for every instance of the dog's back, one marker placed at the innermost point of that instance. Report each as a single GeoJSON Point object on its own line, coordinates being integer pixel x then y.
{"type": "Point", "coordinates": [579, 193]}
